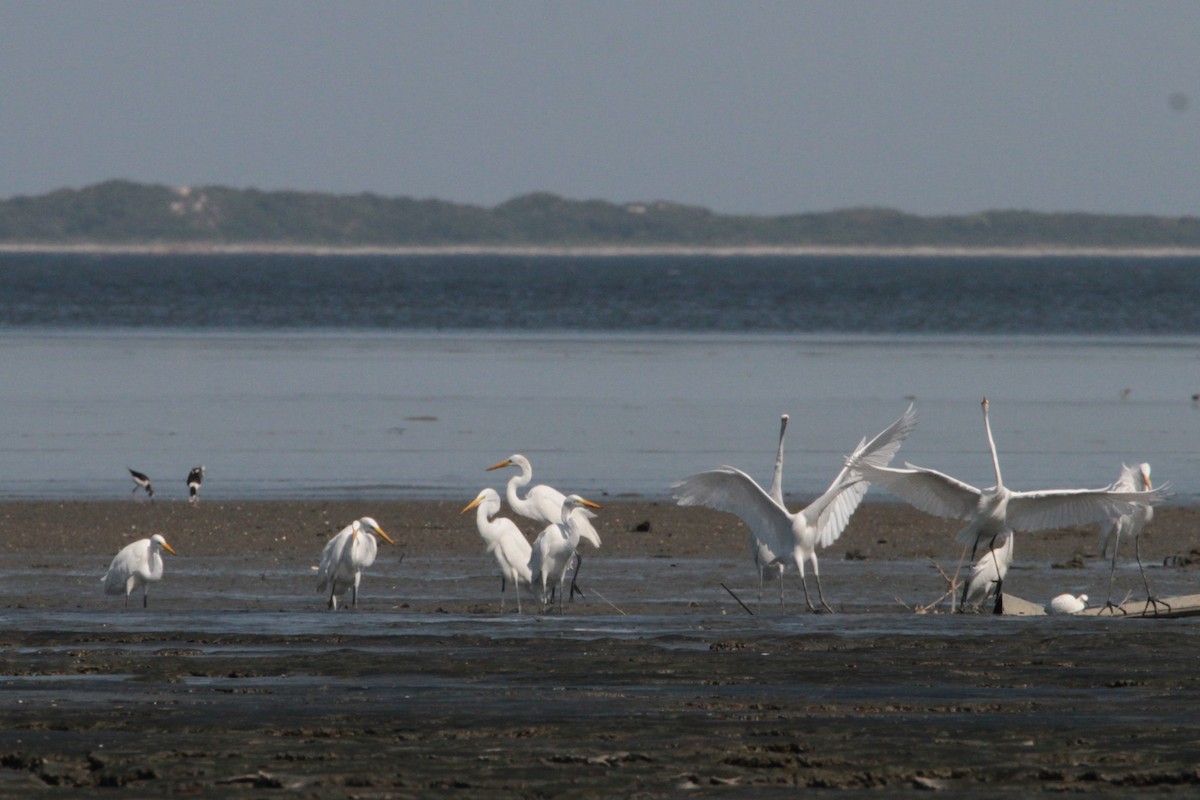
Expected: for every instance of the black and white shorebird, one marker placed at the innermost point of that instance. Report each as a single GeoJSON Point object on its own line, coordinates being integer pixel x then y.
{"type": "Point", "coordinates": [141, 481]}
{"type": "Point", "coordinates": [194, 479]}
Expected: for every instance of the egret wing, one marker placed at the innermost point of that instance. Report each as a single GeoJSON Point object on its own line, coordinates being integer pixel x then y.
{"type": "Point", "coordinates": [878, 452]}
{"type": "Point", "coordinates": [733, 491]}
{"type": "Point", "coordinates": [330, 557]}
{"type": "Point", "coordinates": [926, 489]}
{"type": "Point", "coordinates": [1059, 508]}
{"type": "Point", "coordinates": [512, 551]}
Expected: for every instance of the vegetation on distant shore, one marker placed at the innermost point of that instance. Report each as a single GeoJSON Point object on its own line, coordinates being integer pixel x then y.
{"type": "Point", "coordinates": [124, 213]}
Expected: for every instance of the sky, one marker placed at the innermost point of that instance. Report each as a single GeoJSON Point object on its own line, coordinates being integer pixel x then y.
{"type": "Point", "coordinates": [746, 107]}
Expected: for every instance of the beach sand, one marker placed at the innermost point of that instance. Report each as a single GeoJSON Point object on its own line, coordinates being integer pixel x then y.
{"type": "Point", "coordinates": [217, 691]}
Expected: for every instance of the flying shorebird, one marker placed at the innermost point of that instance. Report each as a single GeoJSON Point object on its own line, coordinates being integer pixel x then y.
{"type": "Point", "coordinates": [779, 535]}
{"type": "Point", "coordinates": [194, 479]}
{"type": "Point", "coordinates": [990, 512]}
{"type": "Point", "coordinates": [346, 555]}
{"type": "Point", "coordinates": [504, 541]}
{"type": "Point", "coordinates": [141, 481]}
{"type": "Point", "coordinates": [137, 564]}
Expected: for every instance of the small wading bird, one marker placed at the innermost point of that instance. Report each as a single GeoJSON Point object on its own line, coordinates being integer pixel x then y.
{"type": "Point", "coordinates": [345, 557]}
{"type": "Point", "coordinates": [991, 512]}
{"type": "Point", "coordinates": [1119, 526]}
{"type": "Point", "coordinates": [1067, 604]}
{"type": "Point", "coordinates": [141, 481]}
{"type": "Point", "coordinates": [504, 541]}
{"type": "Point", "coordinates": [555, 545]}
{"type": "Point", "coordinates": [137, 564]}
{"type": "Point", "coordinates": [779, 536]}
{"type": "Point", "coordinates": [194, 479]}
{"type": "Point", "coordinates": [544, 505]}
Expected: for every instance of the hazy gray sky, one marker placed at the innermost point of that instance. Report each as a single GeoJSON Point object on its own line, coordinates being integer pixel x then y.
{"type": "Point", "coordinates": [754, 107]}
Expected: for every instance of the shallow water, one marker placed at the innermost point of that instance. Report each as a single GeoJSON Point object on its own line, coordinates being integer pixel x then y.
{"type": "Point", "coordinates": [405, 414]}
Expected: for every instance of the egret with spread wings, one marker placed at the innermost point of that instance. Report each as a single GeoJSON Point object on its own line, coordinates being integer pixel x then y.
{"type": "Point", "coordinates": [990, 512]}
{"type": "Point", "coordinates": [792, 539]}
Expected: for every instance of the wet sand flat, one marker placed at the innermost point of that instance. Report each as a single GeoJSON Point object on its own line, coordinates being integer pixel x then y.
{"type": "Point", "coordinates": [235, 680]}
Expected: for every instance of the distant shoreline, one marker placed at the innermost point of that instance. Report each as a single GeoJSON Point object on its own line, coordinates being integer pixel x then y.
{"type": "Point", "coordinates": [596, 251]}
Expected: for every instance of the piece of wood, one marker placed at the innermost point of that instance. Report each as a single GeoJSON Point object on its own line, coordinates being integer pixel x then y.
{"type": "Point", "coordinates": [1016, 607]}
{"type": "Point", "coordinates": [1167, 608]}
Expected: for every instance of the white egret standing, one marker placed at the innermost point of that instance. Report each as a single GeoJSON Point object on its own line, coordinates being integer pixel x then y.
{"type": "Point", "coordinates": [504, 541]}
{"type": "Point", "coordinates": [194, 479]}
{"type": "Point", "coordinates": [346, 555]}
{"type": "Point", "coordinates": [992, 511]}
{"type": "Point", "coordinates": [793, 538]}
{"type": "Point", "coordinates": [555, 545]}
{"type": "Point", "coordinates": [986, 580]}
{"type": "Point", "coordinates": [137, 564]}
{"type": "Point", "coordinates": [141, 481]}
{"type": "Point", "coordinates": [1125, 525]}
{"type": "Point", "coordinates": [544, 505]}
{"type": "Point", "coordinates": [1067, 604]}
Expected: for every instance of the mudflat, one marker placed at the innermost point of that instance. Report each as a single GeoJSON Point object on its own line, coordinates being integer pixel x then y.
{"type": "Point", "coordinates": [235, 679]}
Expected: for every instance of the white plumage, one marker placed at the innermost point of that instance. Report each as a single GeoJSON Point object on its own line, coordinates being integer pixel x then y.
{"type": "Point", "coordinates": [1067, 604]}
{"type": "Point", "coordinates": [542, 504]}
{"type": "Point", "coordinates": [137, 564]}
{"type": "Point", "coordinates": [504, 541]}
{"type": "Point", "coordinates": [987, 574]}
{"type": "Point", "coordinates": [1124, 526]}
{"type": "Point", "coordinates": [554, 548]}
{"type": "Point", "coordinates": [346, 555]}
{"type": "Point", "coordinates": [990, 512]}
{"type": "Point", "coordinates": [787, 538]}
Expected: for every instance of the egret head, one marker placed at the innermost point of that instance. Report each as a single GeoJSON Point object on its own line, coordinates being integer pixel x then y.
{"type": "Point", "coordinates": [488, 495]}
{"type": "Point", "coordinates": [516, 460]}
{"type": "Point", "coordinates": [1144, 472]}
{"type": "Point", "coordinates": [161, 542]}
{"type": "Point", "coordinates": [373, 526]}
{"type": "Point", "coordinates": [574, 501]}
{"type": "Point", "coordinates": [1083, 598]}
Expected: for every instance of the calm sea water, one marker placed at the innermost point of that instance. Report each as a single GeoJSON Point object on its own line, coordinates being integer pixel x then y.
{"type": "Point", "coordinates": [694, 294]}
{"type": "Point", "coordinates": [383, 377]}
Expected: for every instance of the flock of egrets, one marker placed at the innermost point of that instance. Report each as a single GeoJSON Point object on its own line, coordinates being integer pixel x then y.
{"type": "Point", "coordinates": [780, 540]}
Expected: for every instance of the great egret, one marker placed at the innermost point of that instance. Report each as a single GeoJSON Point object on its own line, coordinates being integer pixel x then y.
{"type": "Point", "coordinates": [986, 580]}
{"type": "Point", "coordinates": [760, 551]}
{"type": "Point", "coordinates": [504, 541]}
{"type": "Point", "coordinates": [1067, 604]}
{"type": "Point", "coordinates": [543, 504]}
{"type": "Point", "coordinates": [1126, 525]}
{"type": "Point", "coordinates": [791, 539]}
{"type": "Point", "coordinates": [555, 545]}
{"type": "Point", "coordinates": [194, 479]}
{"type": "Point", "coordinates": [137, 564]}
{"type": "Point", "coordinates": [141, 481]}
{"type": "Point", "coordinates": [990, 512]}
{"type": "Point", "coordinates": [346, 555]}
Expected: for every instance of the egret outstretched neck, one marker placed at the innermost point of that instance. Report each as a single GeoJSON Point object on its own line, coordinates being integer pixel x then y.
{"type": "Point", "coordinates": [520, 504]}
{"type": "Point", "coordinates": [987, 426]}
{"type": "Point", "coordinates": [777, 479]}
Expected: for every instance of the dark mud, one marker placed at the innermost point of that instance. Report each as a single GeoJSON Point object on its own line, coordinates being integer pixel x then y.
{"type": "Point", "coordinates": [744, 710]}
